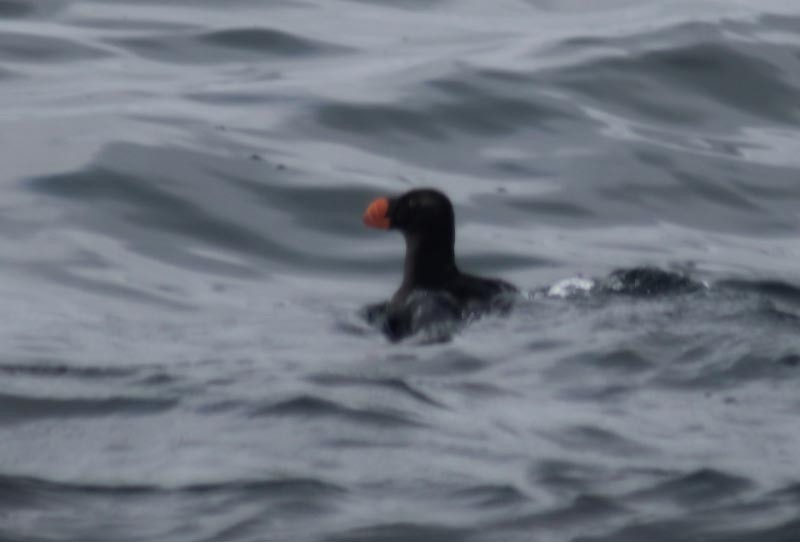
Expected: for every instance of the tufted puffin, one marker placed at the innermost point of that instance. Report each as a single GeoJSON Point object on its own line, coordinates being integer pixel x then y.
{"type": "Point", "coordinates": [426, 219]}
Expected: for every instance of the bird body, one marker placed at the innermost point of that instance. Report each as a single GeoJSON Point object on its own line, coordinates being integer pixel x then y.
{"type": "Point", "coordinates": [427, 221]}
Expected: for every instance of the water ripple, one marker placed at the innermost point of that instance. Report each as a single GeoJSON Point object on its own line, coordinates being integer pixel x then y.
{"type": "Point", "coordinates": [22, 409]}
{"type": "Point", "coordinates": [237, 44]}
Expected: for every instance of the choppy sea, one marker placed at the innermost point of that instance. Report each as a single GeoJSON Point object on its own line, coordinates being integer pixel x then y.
{"type": "Point", "coordinates": [183, 266]}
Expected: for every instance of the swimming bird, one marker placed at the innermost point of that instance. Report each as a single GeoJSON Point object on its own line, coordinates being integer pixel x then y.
{"type": "Point", "coordinates": [426, 219]}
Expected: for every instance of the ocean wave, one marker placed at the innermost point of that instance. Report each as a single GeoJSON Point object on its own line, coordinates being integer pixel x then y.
{"type": "Point", "coordinates": [237, 44]}
{"type": "Point", "coordinates": [27, 408]}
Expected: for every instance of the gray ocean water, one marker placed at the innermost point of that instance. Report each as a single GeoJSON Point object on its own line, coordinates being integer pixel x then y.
{"type": "Point", "coordinates": [183, 265]}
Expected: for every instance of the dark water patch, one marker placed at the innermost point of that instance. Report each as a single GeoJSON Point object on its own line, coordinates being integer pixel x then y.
{"type": "Point", "coordinates": [268, 41]}
{"type": "Point", "coordinates": [606, 393]}
{"type": "Point", "coordinates": [24, 48]}
{"type": "Point", "coordinates": [105, 184]}
{"type": "Point", "coordinates": [402, 532]}
{"type": "Point", "coordinates": [445, 123]}
{"type": "Point", "coordinates": [564, 210]}
{"type": "Point", "coordinates": [623, 360]}
{"type": "Point", "coordinates": [220, 407]}
{"type": "Point", "coordinates": [706, 192]}
{"type": "Point", "coordinates": [399, 385]}
{"type": "Point", "coordinates": [641, 182]}
{"type": "Point", "coordinates": [597, 439]}
{"type": "Point", "coordinates": [769, 189]}
{"type": "Point", "coordinates": [56, 370]}
{"type": "Point", "coordinates": [322, 208]}
{"type": "Point", "coordinates": [129, 24]}
{"type": "Point", "coordinates": [784, 21]}
{"type": "Point", "coordinates": [711, 68]}
{"type": "Point", "coordinates": [229, 510]}
{"type": "Point", "coordinates": [691, 352]}
{"type": "Point", "coordinates": [714, 193]}
{"type": "Point", "coordinates": [739, 194]}
{"type": "Point", "coordinates": [32, 486]}
{"type": "Point", "coordinates": [19, 492]}
{"type": "Point", "coordinates": [483, 390]}
{"type": "Point", "coordinates": [696, 528]}
{"type": "Point", "coordinates": [785, 532]}
{"type": "Point", "coordinates": [452, 361]}
{"type": "Point", "coordinates": [517, 168]}
{"type": "Point", "coordinates": [489, 115]}
{"type": "Point", "coordinates": [310, 407]}
{"type": "Point", "coordinates": [699, 489]}
{"type": "Point", "coordinates": [617, 362]}
{"type": "Point", "coordinates": [15, 8]}
{"type": "Point", "coordinates": [652, 531]}
{"type": "Point", "coordinates": [492, 496]}
{"type": "Point", "coordinates": [209, 201]}
{"type": "Point", "coordinates": [475, 113]}
{"type": "Point", "coordinates": [8, 74]}
{"type": "Point", "coordinates": [158, 380]}
{"type": "Point", "coordinates": [363, 444]}
{"type": "Point", "coordinates": [777, 290]}
{"type": "Point", "coordinates": [101, 287]}
{"type": "Point", "coordinates": [584, 509]}
{"type": "Point", "coordinates": [791, 493]}
{"type": "Point", "coordinates": [16, 409]}
{"type": "Point", "coordinates": [473, 81]}
{"type": "Point", "coordinates": [372, 120]}
{"type": "Point", "coordinates": [764, 302]}
{"type": "Point", "coordinates": [791, 359]}
{"type": "Point", "coordinates": [605, 376]}
{"type": "Point", "coordinates": [731, 371]}
{"type": "Point", "coordinates": [659, 84]}
{"type": "Point", "coordinates": [546, 345]}
{"type": "Point", "coordinates": [297, 486]}
{"type": "Point", "coordinates": [231, 45]}
{"type": "Point", "coordinates": [232, 98]}
{"type": "Point", "coordinates": [146, 206]}
{"type": "Point", "coordinates": [626, 192]}
{"type": "Point", "coordinates": [631, 93]}
{"type": "Point", "coordinates": [778, 313]}
{"type": "Point", "coordinates": [355, 329]}
{"type": "Point", "coordinates": [571, 478]}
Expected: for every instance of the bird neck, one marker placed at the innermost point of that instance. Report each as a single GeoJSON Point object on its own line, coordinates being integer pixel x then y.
{"type": "Point", "coordinates": [430, 261]}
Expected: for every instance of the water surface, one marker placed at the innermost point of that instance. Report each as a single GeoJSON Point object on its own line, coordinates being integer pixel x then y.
{"type": "Point", "coordinates": [184, 264]}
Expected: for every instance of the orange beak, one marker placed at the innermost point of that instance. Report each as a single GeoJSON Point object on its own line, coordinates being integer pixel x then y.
{"type": "Point", "coordinates": [375, 215]}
